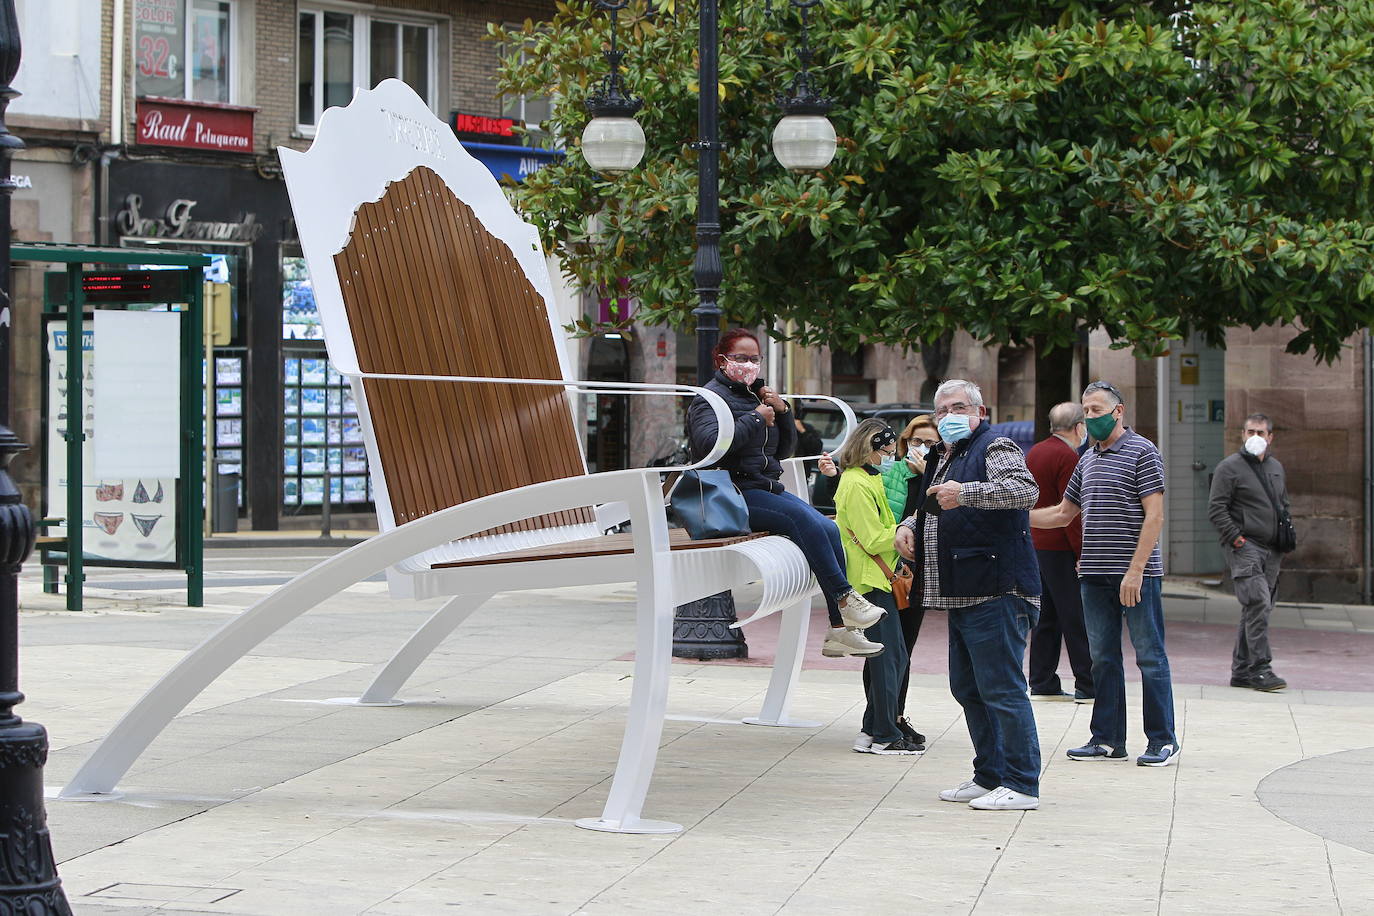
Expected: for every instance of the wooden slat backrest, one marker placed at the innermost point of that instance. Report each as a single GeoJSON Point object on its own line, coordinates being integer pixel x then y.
{"type": "Point", "coordinates": [429, 291]}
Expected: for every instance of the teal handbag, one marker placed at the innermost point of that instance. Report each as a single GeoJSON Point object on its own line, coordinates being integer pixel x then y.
{"type": "Point", "coordinates": [709, 505]}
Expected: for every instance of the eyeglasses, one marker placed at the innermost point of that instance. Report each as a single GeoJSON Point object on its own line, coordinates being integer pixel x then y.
{"type": "Point", "coordinates": [741, 358]}
{"type": "Point", "coordinates": [957, 407]}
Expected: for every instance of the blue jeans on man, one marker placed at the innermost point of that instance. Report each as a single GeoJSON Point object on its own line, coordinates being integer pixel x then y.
{"type": "Point", "coordinates": [1103, 613]}
{"type": "Point", "coordinates": [987, 644]}
{"type": "Point", "coordinates": [817, 536]}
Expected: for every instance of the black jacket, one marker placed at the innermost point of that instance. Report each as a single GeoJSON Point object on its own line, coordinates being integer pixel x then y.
{"type": "Point", "coordinates": [755, 453]}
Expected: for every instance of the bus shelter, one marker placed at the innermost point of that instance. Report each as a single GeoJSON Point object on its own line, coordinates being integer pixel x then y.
{"type": "Point", "coordinates": [123, 436]}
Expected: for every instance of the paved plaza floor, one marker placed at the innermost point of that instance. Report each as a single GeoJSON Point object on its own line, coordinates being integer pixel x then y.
{"type": "Point", "coordinates": [264, 798]}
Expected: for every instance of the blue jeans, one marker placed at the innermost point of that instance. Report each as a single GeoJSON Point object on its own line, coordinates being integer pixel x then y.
{"type": "Point", "coordinates": [1102, 615]}
{"type": "Point", "coordinates": [817, 536]}
{"type": "Point", "coordinates": [883, 673]}
{"type": "Point", "coordinates": [987, 643]}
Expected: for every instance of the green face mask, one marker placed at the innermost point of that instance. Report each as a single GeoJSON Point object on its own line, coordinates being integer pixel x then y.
{"type": "Point", "coordinates": [1101, 427]}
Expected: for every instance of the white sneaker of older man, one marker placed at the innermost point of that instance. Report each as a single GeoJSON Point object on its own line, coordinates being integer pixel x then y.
{"type": "Point", "coordinates": [1004, 799]}
{"type": "Point", "coordinates": [966, 791]}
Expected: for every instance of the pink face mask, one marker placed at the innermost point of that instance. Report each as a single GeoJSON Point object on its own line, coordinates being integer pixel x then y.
{"type": "Point", "coordinates": [744, 373]}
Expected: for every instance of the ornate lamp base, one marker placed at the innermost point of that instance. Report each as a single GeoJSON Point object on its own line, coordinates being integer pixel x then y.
{"type": "Point", "coordinates": [701, 629]}
{"type": "Point", "coordinates": [28, 876]}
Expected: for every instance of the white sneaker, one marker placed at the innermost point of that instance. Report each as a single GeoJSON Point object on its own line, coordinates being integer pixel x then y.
{"type": "Point", "coordinates": [965, 791]}
{"type": "Point", "coordinates": [863, 743]}
{"type": "Point", "coordinates": [1004, 799]}
{"type": "Point", "coordinates": [858, 611]}
{"type": "Point", "coordinates": [845, 641]}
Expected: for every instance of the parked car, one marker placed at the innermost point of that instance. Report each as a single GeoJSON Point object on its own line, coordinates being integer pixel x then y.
{"type": "Point", "coordinates": [829, 423]}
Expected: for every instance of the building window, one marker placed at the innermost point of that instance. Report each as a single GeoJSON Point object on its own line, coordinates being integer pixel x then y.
{"type": "Point", "coordinates": [847, 379]}
{"type": "Point", "coordinates": [185, 49]}
{"type": "Point", "coordinates": [528, 109]}
{"type": "Point", "coordinates": [340, 50]}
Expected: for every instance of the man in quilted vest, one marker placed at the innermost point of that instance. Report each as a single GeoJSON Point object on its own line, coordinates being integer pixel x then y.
{"type": "Point", "coordinates": [974, 559]}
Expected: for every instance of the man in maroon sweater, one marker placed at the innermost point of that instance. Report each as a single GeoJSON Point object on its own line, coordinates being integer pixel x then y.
{"type": "Point", "coordinates": [1051, 462]}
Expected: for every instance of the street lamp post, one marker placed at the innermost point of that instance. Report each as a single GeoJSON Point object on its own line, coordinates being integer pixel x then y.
{"type": "Point", "coordinates": [28, 875]}
{"type": "Point", "coordinates": [804, 140]}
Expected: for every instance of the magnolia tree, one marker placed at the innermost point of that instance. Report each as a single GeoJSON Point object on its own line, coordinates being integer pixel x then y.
{"type": "Point", "coordinates": [1021, 171]}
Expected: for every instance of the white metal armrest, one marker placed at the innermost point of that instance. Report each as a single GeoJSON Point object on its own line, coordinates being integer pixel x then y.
{"type": "Point", "coordinates": [850, 421]}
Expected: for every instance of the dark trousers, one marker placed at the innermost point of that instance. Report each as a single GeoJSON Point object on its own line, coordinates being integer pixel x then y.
{"type": "Point", "coordinates": [817, 536]}
{"type": "Point", "coordinates": [883, 673]}
{"type": "Point", "coordinates": [911, 618]}
{"type": "Point", "coordinates": [1061, 617]}
{"type": "Point", "coordinates": [1255, 571]}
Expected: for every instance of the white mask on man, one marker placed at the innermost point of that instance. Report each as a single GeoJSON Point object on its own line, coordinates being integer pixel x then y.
{"type": "Point", "coordinates": [1256, 445]}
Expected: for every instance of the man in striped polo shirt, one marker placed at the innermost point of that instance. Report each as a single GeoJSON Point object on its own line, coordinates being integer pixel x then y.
{"type": "Point", "coordinates": [1118, 486]}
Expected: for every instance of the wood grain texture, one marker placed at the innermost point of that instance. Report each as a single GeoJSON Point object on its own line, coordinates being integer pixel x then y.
{"type": "Point", "coordinates": [429, 291]}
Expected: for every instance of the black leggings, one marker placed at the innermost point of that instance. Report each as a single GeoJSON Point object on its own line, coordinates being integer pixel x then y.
{"type": "Point", "coordinates": [911, 619]}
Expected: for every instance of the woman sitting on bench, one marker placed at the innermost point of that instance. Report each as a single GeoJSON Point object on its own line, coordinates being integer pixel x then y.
{"type": "Point", "coordinates": [765, 435]}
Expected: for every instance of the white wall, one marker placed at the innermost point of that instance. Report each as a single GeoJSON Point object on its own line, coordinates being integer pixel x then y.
{"type": "Point", "coordinates": [59, 74]}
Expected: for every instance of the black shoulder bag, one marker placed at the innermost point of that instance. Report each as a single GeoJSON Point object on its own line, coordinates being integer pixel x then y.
{"type": "Point", "coordinates": [1287, 539]}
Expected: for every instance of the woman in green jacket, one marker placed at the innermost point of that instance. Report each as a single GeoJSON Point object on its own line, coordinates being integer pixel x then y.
{"type": "Point", "coordinates": [867, 529]}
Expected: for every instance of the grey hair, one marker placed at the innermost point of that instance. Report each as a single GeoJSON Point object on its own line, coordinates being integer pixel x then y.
{"type": "Point", "coordinates": [1065, 416]}
{"type": "Point", "coordinates": [856, 449]}
{"type": "Point", "coordinates": [971, 391]}
{"type": "Point", "coordinates": [1261, 418]}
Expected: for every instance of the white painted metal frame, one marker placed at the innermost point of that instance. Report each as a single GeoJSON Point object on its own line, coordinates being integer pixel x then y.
{"type": "Point", "coordinates": [327, 185]}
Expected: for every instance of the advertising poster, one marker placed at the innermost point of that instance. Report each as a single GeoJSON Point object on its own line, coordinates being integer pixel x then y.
{"type": "Point", "coordinates": [129, 517]}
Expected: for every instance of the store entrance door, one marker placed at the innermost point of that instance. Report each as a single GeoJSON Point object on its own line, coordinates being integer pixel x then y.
{"type": "Point", "coordinates": [608, 415]}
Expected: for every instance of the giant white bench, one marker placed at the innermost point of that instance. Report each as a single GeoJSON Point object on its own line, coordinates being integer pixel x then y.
{"type": "Point", "coordinates": [436, 305]}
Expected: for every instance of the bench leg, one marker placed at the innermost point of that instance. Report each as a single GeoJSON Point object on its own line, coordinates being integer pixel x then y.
{"type": "Point", "coordinates": [418, 648]}
{"type": "Point", "coordinates": [792, 631]}
{"type": "Point", "coordinates": [50, 580]}
{"type": "Point", "coordinates": [97, 777]}
{"type": "Point", "coordinates": [648, 704]}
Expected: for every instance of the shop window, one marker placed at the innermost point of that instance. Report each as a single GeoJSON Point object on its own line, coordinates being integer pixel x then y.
{"type": "Point", "coordinates": [529, 109]}
{"type": "Point", "coordinates": [338, 50]}
{"type": "Point", "coordinates": [185, 49]}
{"type": "Point", "coordinates": [322, 436]}
{"type": "Point", "coordinates": [300, 319]}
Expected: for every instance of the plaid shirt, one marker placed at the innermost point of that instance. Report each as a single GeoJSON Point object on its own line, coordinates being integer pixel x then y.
{"type": "Point", "coordinates": [1009, 486]}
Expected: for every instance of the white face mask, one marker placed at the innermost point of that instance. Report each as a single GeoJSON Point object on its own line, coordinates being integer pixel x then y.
{"type": "Point", "coordinates": [918, 451]}
{"type": "Point", "coordinates": [1256, 445]}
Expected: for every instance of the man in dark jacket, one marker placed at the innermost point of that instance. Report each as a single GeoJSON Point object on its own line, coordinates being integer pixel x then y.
{"type": "Point", "coordinates": [1056, 549]}
{"type": "Point", "coordinates": [1247, 489]}
{"type": "Point", "coordinates": [971, 543]}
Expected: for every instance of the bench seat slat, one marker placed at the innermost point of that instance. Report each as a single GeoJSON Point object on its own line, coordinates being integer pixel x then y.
{"type": "Point", "coordinates": [607, 545]}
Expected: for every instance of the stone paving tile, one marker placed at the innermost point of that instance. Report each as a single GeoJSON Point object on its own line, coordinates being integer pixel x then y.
{"type": "Point", "coordinates": [464, 799]}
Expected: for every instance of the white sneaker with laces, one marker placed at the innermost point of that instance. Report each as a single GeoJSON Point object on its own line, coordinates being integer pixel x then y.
{"type": "Point", "coordinates": [967, 790]}
{"type": "Point", "coordinates": [858, 611]}
{"type": "Point", "coordinates": [863, 743]}
{"type": "Point", "coordinates": [1004, 799]}
{"type": "Point", "coordinates": [846, 641]}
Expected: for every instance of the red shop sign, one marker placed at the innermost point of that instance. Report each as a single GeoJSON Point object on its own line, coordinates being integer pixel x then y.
{"type": "Point", "coordinates": [196, 125]}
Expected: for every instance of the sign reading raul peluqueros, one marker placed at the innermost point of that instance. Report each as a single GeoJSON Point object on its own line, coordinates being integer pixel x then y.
{"type": "Point", "coordinates": [195, 125]}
